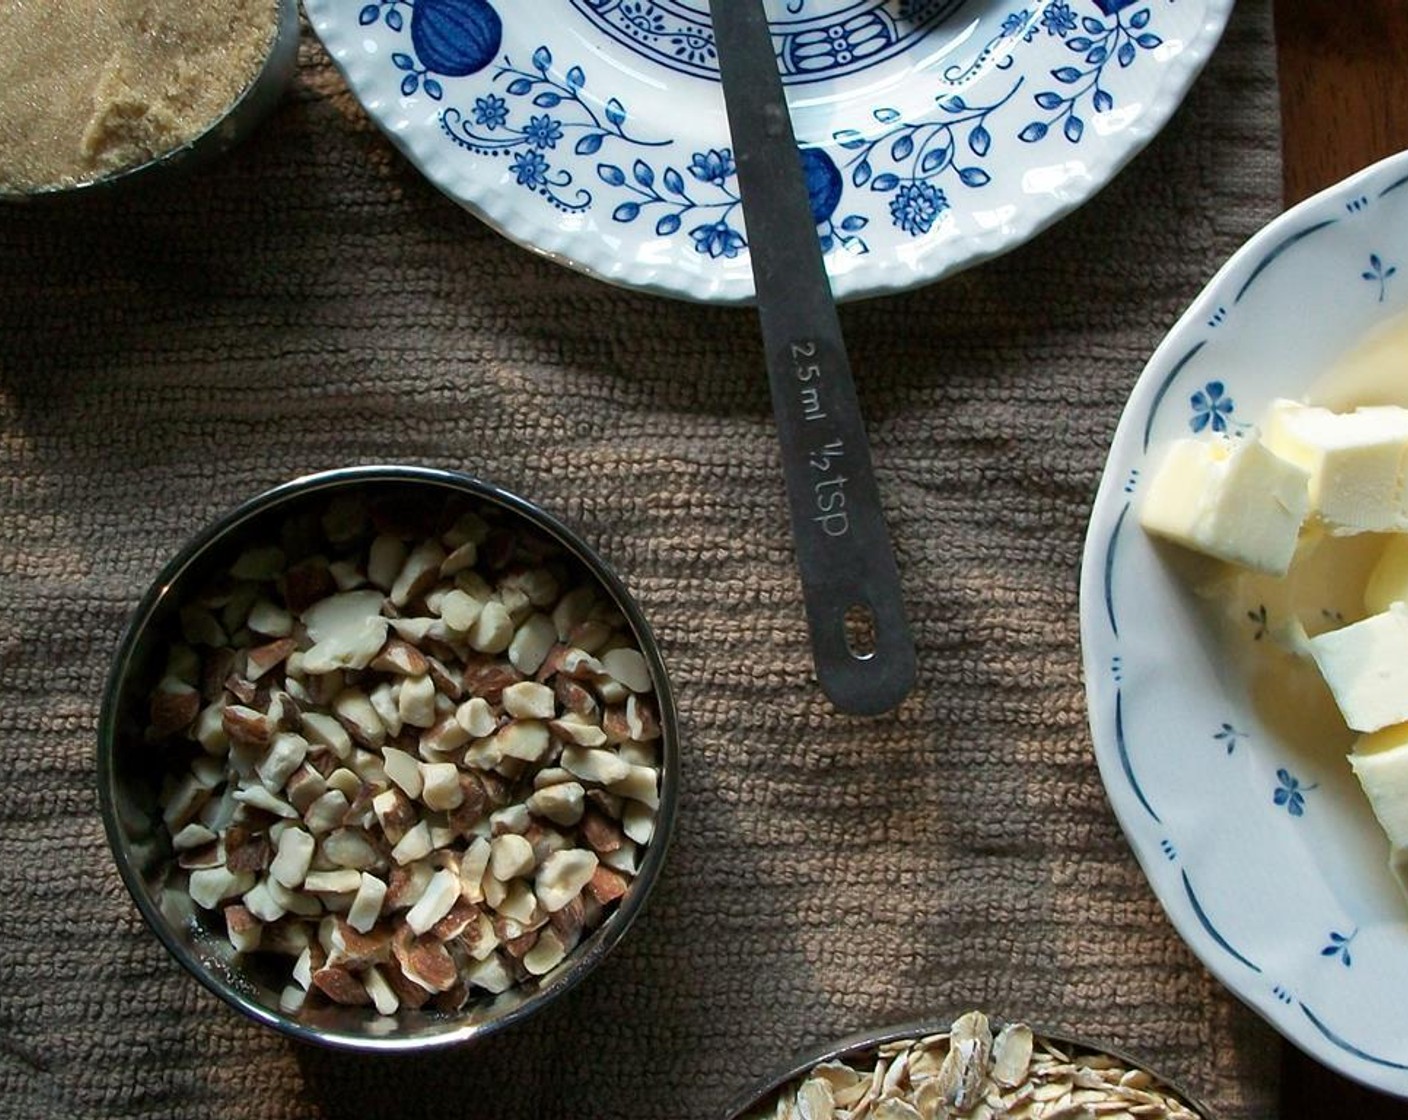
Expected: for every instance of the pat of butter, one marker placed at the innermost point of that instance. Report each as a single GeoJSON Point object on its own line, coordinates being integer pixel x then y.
{"type": "Point", "coordinates": [1380, 762]}
{"type": "Point", "coordinates": [1231, 499]}
{"type": "Point", "coordinates": [1356, 462]}
{"type": "Point", "coordinates": [1366, 667]}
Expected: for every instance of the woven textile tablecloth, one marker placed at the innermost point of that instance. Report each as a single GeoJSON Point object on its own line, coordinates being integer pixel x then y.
{"type": "Point", "coordinates": [311, 302]}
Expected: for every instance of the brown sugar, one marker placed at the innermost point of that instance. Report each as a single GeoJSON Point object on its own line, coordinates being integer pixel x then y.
{"type": "Point", "coordinates": [91, 87]}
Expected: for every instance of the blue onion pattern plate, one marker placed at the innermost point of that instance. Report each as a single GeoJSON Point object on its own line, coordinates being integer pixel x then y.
{"type": "Point", "coordinates": [1243, 813]}
{"type": "Point", "coordinates": [935, 133]}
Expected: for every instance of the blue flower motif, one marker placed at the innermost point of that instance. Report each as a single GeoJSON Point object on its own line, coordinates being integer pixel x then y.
{"type": "Point", "coordinates": [490, 112]}
{"type": "Point", "coordinates": [1339, 947]}
{"type": "Point", "coordinates": [1211, 406]}
{"type": "Point", "coordinates": [916, 206]}
{"type": "Point", "coordinates": [1291, 793]}
{"type": "Point", "coordinates": [1058, 19]}
{"type": "Point", "coordinates": [531, 169]}
{"type": "Point", "coordinates": [543, 131]}
{"type": "Point", "coordinates": [1015, 22]}
{"type": "Point", "coordinates": [714, 166]}
{"type": "Point", "coordinates": [718, 239]}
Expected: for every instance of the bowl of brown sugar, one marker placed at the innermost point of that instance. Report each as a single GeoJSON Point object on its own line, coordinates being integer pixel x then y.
{"type": "Point", "coordinates": [96, 93]}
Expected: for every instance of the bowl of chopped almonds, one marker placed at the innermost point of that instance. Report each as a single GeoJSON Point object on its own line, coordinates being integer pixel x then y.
{"type": "Point", "coordinates": [972, 1067]}
{"type": "Point", "coordinates": [388, 758]}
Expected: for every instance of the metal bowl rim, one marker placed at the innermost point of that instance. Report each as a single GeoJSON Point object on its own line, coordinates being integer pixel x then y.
{"type": "Point", "coordinates": [583, 959]}
{"type": "Point", "coordinates": [864, 1040]}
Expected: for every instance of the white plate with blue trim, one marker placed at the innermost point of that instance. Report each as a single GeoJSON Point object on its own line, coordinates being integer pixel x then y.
{"type": "Point", "coordinates": [935, 133]}
{"type": "Point", "coordinates": [1252, 831]}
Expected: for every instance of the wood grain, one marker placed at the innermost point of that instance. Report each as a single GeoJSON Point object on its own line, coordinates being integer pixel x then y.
{"type": "Point", "coordinates": [1344, 104]}
{"type": "Point", "coordinates": [1344, 88]}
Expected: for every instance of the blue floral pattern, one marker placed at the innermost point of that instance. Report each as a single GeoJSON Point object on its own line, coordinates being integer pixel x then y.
{"type": "Point", "coordinates": [1211, 407]}
{"type": "Point", "coordinates": [1379, 273]}
{"type": "Point", "coordinates": [1339, 947]}
{"type": "Point", "coordinates": [1290, 792]}
{"type": "Point", "coordinates": [541, 119]}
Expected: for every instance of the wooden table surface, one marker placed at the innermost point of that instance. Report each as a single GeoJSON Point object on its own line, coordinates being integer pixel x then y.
{"type": "Point", "coordinates": [1344, 105]}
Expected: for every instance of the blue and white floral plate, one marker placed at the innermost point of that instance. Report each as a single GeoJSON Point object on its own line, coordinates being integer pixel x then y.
{"type": "Point", "coordinates": [936, 133]}
{"type": "Point", "coordinates": [1251, 827]}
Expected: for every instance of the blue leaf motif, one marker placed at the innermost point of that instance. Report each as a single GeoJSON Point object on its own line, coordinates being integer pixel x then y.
{"type": "Point", "coordinates": [953, 104]}
{"type": "Point", "coordinates": [1139, 19]}
{"type": "Point", "coordinates": [674, 181]}
{"type": "Point", "coordinates": [643, 173]}
{"type": "Point", "coordinates": [1075, 127]}
{"type": "Point", "coordinates": [933, 160]}
{"type": "Point", "coordinates": [626, 212]}
{"type": "Point", "coordinates": [854, 223]}
{"type": "Point", "coordinates": [589, 144]}
{"type": "Point", "coordinates": [1097, 56]}
{"type": "Point", "coordinates": [861, 174]}
{"type": "Point", "coordinates": [520, 86]}
{"type": "Point", "coordinates": [403, 61]}
{"type": "Point", "coordinates": [667, 225]}
{"type": "Point", "coordinates": [1048, 99]}
{"type": "Point", "coordinates": [1066, 75]}
{"type": "Point", "coordinates": [542, 60]}
{"type": "Point", "coordinates": [1103, 101]}
{"type": "Point", "coordinates": [611, 175]}
{"type": "Point", "coordinates": [547, 100]}
{"type": "Point", "coordinates": [394, 20]}
{"type": "Point", "coordinates": [576, 77]}
{"type": "Point", "coordinates": [433, 89]}
{"type": "Point", "coordinates": [409, 84]}
{"type": "Point", "coordinates": [1092, 25]}
{"type": "Point", "coordinates": [1149, 41]}
{"type": "Point", "coordinates": [849, 139]}
{"type": "Point", "coordinates": [902, 148]}
{"type": "Point", "coordinates": [615, 112]}
{"type": "Point", "coordinates": [368, 14]}
{"type": "Point", "coordinates": [828, 242]}
{"type": "Point", "coordinates": [886, 115]}
{"type": "Point", "coordinates": [1126, 54]}
{"type": "Point", "coordinates": [1032, 133]}
{"type": "Point", "coordinates": [974, 177]}
{"type": "Point", "coordinates": [885, 182]}
{"type": "Point", "coordinates": [1079, 43]}
{"type": "Point", "coordinates": [980, 141]}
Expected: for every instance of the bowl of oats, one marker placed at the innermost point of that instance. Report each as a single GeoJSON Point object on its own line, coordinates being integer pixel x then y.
{"type": "Point", "coordinates": [388, 758]}
{"type": "Point", "coordinates": [99, 93]}
{"type": "Point", "coordinates": [972, 1067]}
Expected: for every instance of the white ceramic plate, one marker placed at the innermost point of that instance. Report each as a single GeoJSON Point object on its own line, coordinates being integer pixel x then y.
{"type": "Point", "coordinates": [936, 133]}
{"type": "Point", "coordinates": [1253, 833]}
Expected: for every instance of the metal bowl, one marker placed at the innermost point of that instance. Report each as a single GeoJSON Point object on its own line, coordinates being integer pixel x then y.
{"type": "Point", "coordinates": [129, 773]}
{"type": "Point", "coordinates": [865, 1043]}
{"type": "Point", "coordinates": [238, 119]}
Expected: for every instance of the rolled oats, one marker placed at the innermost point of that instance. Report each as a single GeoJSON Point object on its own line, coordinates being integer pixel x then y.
{"type": "Point", "coordinates": [967, 1074]}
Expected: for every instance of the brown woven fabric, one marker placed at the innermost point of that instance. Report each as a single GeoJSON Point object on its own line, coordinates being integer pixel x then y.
{"type": "Point", "coordinates": [312, 302]}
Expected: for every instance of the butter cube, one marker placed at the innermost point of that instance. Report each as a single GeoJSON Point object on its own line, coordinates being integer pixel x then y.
{"type": "Point", "coordinates": [1230, 499]}
{"type": "Point", "coordinates": [1380, 762]}
{"type": "Point", "coordinates": [1356, 462]}
{"type": "Point", "coordinates": [1388, 582]}
{"type": "Point", "coordinates": [1366, 667]}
